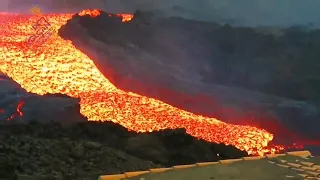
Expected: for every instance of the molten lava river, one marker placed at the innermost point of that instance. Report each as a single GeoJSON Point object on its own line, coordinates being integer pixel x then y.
{"type": "Point", "coordinates": [58, 67]}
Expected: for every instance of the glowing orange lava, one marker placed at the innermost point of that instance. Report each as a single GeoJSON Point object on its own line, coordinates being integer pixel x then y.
{"type": "Point", "coordinates": [92, 13]}
{"type": "Point", "coordinates": [18, 112]}
{"type": "Point", "coordinates": [58, 67]}
{"type": "Point", "coordinates": [95, 13]}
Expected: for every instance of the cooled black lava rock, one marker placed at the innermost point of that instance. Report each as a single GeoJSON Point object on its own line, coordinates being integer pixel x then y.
{"type": "Point", "coordinates": [87, 150]}
{"type": "Point", "coordinates": [7, 166]}
{"type": "Point", "coordinates": [51, 151]}
{"type": "Point", "coordinates": [20, 106]}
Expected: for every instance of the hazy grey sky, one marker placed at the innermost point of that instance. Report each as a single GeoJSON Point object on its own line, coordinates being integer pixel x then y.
{"type": "Point", "coordinates": [250, 12]}
{"type": "Point", "coordinates": [246, 12]}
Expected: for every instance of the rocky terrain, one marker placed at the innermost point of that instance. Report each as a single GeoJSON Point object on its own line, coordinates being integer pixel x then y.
{"type": "Point", "coordinates": [17, 104]}
{"type": "Point", "coordinates": [240, 75]}
{"type": "Point", "coordinates": [37, 150]}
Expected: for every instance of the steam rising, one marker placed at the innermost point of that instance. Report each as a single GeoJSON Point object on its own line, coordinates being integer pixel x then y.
{"type": "Point", "coordinates": [245, 12]}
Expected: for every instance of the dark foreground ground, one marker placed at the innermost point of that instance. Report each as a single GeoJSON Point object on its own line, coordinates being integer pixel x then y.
{"type": "Point", "coordinates": [87, 150]}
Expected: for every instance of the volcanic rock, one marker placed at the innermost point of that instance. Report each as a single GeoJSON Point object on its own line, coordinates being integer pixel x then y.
{"type": "Point", "coordinates": [204, 68]}
{"type": "Point", "coordinates": [35, 107]}
{"type": "Point", "coordinates": [87, 150]}
{"type": "Point", "coordinates": [52, 151]}
{"type": "Point", "coordinates": [52, 107]}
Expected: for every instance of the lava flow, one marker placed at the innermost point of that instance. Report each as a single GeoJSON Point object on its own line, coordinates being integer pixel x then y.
{"type": "Point", "coordinates": [18, 112]}
{"type": "Point", "coordinates": [58, 67]}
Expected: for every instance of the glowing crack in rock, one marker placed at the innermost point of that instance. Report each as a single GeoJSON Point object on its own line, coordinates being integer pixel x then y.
{"type": "Point", "coordinates": [58, 67]}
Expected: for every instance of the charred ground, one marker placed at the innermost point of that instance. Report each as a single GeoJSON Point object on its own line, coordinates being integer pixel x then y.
{"type": "Point", "coordinates": [86, 150]}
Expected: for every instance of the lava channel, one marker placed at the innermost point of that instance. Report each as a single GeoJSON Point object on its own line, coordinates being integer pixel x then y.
{"type": "Point", "coordinates": [58, 67]}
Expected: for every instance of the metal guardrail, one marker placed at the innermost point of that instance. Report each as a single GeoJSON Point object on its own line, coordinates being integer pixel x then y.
{"type": "Point", "coordinates": [227, 161]}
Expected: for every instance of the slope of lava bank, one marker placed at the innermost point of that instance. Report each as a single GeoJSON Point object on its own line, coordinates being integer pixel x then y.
{"type": "Point", "coordinates": [165, 58]}
{"type": "Point", "coordinates": [58, 67]}
{"type": "Point", "coordinates": [10, 102]}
